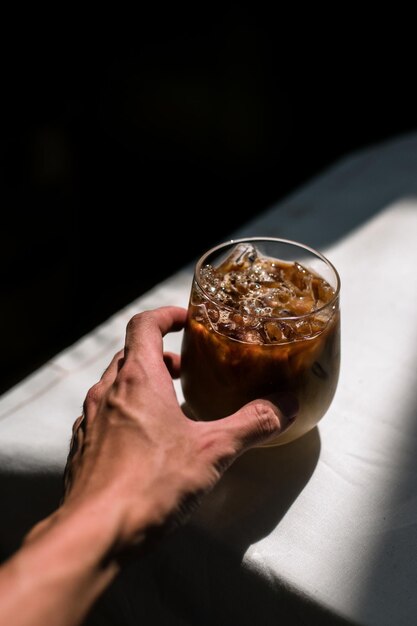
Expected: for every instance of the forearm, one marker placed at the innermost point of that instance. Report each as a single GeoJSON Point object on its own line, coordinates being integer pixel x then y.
{"type": "Point", "coordinates": [61, 569]}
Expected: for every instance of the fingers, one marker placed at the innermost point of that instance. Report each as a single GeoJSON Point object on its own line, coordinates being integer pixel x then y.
{"type": "Point", "coordinates": [97, 391]}
{"type": "Point", "coordinates": [109, 375]}
{"type": "Point", "coordinates": [145, 331]}
{"type": "Point", "coordinates": [173, 364]}
{"type": "Point", "coordinates": [77, 442]}
{"type": "Point", "coordinates": [260, 421]}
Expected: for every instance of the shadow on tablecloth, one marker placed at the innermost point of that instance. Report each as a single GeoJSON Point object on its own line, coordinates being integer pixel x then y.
{"type": "Point", "coordinates": [25, 499]}
{"type": "Point", "coordinates": [197, 575]}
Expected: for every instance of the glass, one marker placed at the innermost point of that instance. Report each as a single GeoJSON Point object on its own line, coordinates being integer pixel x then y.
{"type": "Point", "coordinates": [263, 319]}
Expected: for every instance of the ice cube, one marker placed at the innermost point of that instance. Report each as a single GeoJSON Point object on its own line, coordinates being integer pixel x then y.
{"type": "Point", "coordinates": [302, 328]}
{"type": "Point", "coordinates": [287, 330]}
{"type": "Point", "coordinates": [213, 314]}
{"type": "Point", "coordinates": [240, 258]}
{"type": "Point", "coordinates": [326, 292]}
{"type": "Point", "coordinates": [270, 298]}
{"type": "Point", "coordinates": [319, 322]}
{"type": "Point", "coordinates": [226, 328]}
{"type": "Point", "coordinates": [302, 305]}
{"type": "Point", "coordinates": [299, 278]}
{"type": "Point", "coordinates": [208, 280]}
{"type": "Point", "coordinates": [247, 335]}
{"type": "Point", "coordinates": [260, 273]}
{"type": "Point", "coordinates": [224, 298]}
{"type": "Point", "coordinates": [251, 336]}
{"type": "Point", "coordinates": [224, 317]}
{"type": "Point", "coordinates": [322, 291]}
{"type": "Point", "coordinates": [273, 332]}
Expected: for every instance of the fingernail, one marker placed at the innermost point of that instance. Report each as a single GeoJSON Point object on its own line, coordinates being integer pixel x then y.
{"type": "Point", "coordinates": [288, 405]}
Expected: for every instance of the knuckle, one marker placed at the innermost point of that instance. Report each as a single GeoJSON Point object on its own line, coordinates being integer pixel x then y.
{"type": "Point", "coordinates": [94, 395]}
{"type": "Point", "coordinates": [140, 319]}
{"type": "Point", "coordinates": [76, 424]}
{"type": "Point", "coordinates": [115, 402]}
{"type": "Point", "coordinates": [134, 321]}
{"type": "Point", "coordinates": [133, 372]}
{"type": "Point", "coordinates": [119, 355]}
{"type": "Point", "coordinates": [266, 419]}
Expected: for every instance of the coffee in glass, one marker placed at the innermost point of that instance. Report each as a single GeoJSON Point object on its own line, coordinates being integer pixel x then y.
{"type": "Point", "coordinates": [263, 319]}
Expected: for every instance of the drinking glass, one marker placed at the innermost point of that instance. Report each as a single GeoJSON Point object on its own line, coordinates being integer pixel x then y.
{"type": "Point", "coordinates": [231, 355]}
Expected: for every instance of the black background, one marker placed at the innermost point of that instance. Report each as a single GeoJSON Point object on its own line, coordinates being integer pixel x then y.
{"type": "Point", "coordinates": [157, 117]}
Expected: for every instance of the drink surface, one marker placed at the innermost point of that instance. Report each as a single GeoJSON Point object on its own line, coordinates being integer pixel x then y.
{"type": "Point", "coordinates": [257, 327]}
{"type": "Point", "coordinates": [256, 296]}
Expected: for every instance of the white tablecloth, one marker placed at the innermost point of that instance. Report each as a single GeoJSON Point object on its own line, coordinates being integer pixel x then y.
{"type": "Point", "coordinates": [318, 531]}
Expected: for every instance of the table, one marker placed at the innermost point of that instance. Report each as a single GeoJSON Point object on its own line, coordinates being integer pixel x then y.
{"type": "Point", "coordinates": [323, 530]}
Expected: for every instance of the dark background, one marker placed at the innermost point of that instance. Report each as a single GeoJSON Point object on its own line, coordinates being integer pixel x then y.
{"type": "Point", "coordinates": [157, 120]}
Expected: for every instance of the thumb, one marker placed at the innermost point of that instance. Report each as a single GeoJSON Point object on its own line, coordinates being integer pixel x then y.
{"type": "Point", "coordinates": [260, 421]}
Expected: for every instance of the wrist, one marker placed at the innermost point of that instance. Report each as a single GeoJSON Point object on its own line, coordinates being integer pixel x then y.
{"type": "Point", "coordinates": [62, 567]}
{"type": "Point", "coordinates": [94, 524]}
{"type": "Point", "coordinates": [107, 523]}
{"type": "Point", "coordinates": [81, 537]}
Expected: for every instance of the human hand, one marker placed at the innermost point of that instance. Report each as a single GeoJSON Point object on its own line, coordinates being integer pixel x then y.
{"type": "Point", "coordinates": [137, 465]}
{"type": "Point", "coordinates": [135, 457]}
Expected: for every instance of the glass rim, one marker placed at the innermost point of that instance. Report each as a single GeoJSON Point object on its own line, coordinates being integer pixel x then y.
{"type": "Point", "coordinates": [254, 239]}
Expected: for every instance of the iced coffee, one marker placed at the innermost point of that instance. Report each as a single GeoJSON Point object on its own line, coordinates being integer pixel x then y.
{"type": "Point", "coordinates": [262, 320]}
